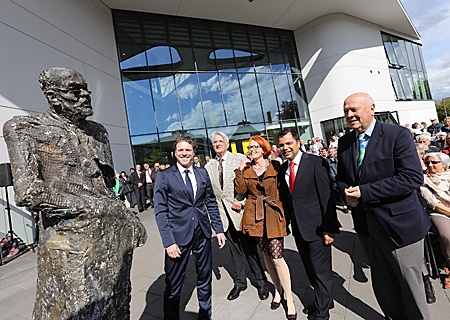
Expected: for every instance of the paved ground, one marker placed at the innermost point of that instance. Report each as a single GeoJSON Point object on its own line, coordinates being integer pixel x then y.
{"type": "Point", "coordinates": [352, 291]}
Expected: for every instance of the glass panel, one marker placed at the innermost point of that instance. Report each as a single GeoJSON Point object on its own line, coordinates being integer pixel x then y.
{"type": "Point", "coordinates": [405, 84]}
{"type": "Point", "coordinates": [303, 111]}
{"type": "Point", "coordinates": [403, 52]}
{"type": "Point", "coordinates": [411, 59]}
{"type": "Point", "coordinates": [146, 149]}
{"type": "Point", "coordinates": [410, 80]}
{"type": "Point", "coordinates": [179, 32]}
{"type": "Point", "coordinates": [155, 30]}
{"type": "Point", "coordinates": [397, 84]}
{"type": "Point", "coordinates": [203, 142]}
{"type": "Point", "coordinates": [140, 113]}
{"type": "Point", "coordinates": [390, 53]}
{"type": "Point", "coordinates": [187, 60]}
{"type": "Point", "coordinates": [258, 46]}
{"type": "Point", "coordinates": [132, 56]}
{"type": "Point", "coordinates": [268, 97]}
{"type": "Point", "coordinates": [127, 28]}
{"type": "Point", "coordinates": [212, 99]}
{"type": "Point", "coordinates": [221, 36]}
{"type": "Point", "coordinates": [166, 102]}
{"type": "Point", "coordinates": [416, 50]}
{"type": "Point", "coordinates": [232, 98]}
{"type": "Point", "coordinates": [204, 63]}
{"type": "Point", "coordinates": [190, 105]}
{"type": "Point", "coordinates": [423, 88]}
{"type": "Point", "coordinates": [161, 57]}
{"type": "Point", "coordinates": [284, 97]}
{"type": "Point", "coordinates": [398, 52]}
{"type": "Point", "coordinates": [251, 97]}
{"type": "Point", "coordinates": [417, 88]}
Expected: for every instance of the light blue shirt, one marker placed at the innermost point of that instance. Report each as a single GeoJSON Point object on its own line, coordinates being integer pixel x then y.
{"type": "Point", "coordinates": [368, 134]}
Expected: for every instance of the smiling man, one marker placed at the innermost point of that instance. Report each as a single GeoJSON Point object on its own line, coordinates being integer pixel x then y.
{"type": "Point", "coordinates": [306, 195]}
{"type": "Point", "coordinates": [184, 205]}
{"type": "Point", "coordinates": [378, 174]}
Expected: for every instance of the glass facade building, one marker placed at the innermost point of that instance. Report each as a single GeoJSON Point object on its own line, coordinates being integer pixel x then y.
{"type": "Point", "coordinates": [406, 67]}
{"type": "Point", "coordinates": [408, 77]}
{"type": "Point", "coordinates": [193, 76]}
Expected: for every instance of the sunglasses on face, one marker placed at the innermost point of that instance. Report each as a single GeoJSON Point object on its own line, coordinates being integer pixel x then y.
{"type": "Point", "coordinates": [432, 162]}
{"type": "Point", "coordinates": [253, 147]}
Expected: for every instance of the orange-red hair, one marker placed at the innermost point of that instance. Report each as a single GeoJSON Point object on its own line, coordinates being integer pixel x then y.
{"type": "Point", "coordinates": [265, 146]}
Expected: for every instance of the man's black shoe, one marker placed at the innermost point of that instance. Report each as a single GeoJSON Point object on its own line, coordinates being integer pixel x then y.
{"type": "Point", "coordinates": [309, 310]}
{"type": "Point", "coordinates": [235, 292]}
{"type": "Point", "coordinates": [263, 292]}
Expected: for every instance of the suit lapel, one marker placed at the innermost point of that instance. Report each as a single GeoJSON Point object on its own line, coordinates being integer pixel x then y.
{"type": "Point", "coordinates": [181, 182]}
{"type": "Point", "coordinates": [199, 178]}
{"type": "Point", "coordinates": [301, 167]}
{"type": "Point", "coordinates": [282, 177]}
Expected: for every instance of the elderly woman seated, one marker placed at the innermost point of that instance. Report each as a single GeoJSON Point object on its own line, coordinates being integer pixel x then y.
{"type": "Point", "coordinates": [435, 191]}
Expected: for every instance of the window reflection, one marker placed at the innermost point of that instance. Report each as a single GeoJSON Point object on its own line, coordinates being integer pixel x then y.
{"type": "Point", "coordinates": [192, 76]}
{"type": "Point", "coordinates": [251, 97]}
{"type": "Point", "coordinates": [211, 94]}
{"type": "Point", "coordinates": [140, 107]}
{"type": "Point", "coordinates": [406, 68]}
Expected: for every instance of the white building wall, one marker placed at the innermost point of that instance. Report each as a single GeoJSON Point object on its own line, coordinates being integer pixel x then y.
{"type": "Point", "coordinates": [341, 55]}
{"type": "Point", "coordinates": [36, 35]}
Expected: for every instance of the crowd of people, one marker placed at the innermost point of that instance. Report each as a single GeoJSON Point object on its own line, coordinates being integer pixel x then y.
{"type": "Point", "coordinates": [255, 200]}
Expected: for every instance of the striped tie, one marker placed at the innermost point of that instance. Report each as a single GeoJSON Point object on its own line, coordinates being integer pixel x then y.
{"type": "Point", "coordinates": [362, 151]}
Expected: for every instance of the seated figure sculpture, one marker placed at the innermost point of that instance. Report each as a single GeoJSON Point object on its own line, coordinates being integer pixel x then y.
{"type": "Point", "coordinates": [62, 168]}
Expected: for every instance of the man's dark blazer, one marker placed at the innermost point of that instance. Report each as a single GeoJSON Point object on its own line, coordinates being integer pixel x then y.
{"type": "Point", "coordinates": [312, 203]}
{"type": "Point", "coordinates": [135, 179]}
{"type": "Point", "coordinates": [390, 174]}
{"type": "Point", "coordinates": [177, 214]}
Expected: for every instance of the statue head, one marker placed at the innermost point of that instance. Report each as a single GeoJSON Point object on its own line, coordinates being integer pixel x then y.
{"type": "Point", "coordinates": [67, 93]}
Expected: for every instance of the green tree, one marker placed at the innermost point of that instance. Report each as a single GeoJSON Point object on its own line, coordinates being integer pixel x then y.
{"type": "Point", "coordinates": [442, 109]}
{"type": "Point", "coordinates": [288, 110]}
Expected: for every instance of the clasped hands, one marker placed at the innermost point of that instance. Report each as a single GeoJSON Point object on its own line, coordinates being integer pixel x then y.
{"type": "Point", "coordinates": [352, 196]}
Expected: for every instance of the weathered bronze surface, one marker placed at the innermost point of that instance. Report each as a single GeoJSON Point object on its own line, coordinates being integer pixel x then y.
{"type": "Point", "coordinates": [62, 167]}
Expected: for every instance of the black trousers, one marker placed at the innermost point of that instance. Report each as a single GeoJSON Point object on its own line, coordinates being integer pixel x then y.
{"type": "Point", "coordinates": [316, 258]}
{"type": "Point", "coordinates": [139, 197]}
{"type": "Point", "coordinates": [244, 251]}
{"type": "Point", "coordinates": [149, 189]}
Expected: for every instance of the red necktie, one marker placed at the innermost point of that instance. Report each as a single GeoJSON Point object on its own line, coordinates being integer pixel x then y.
{"type": "Point", "coordinates": [291, 176]}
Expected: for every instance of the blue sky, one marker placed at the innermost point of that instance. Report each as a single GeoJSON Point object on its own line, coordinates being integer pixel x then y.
{"type": "Point", "coordinates": [432, 20]}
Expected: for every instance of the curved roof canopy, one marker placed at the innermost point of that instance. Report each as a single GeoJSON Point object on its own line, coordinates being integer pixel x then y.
{"type": "Point", "coordinates": [284, 14]}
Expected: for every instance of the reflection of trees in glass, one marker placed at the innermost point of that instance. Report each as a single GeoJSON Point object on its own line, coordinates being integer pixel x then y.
{"type": "Point", "coordinates": [288, 110]}
{"type": "Point", "coordinates": [156, 155]}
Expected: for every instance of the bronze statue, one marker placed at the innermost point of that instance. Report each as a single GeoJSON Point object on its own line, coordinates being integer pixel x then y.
{"type": "Point", "coordinates": [62, 167]}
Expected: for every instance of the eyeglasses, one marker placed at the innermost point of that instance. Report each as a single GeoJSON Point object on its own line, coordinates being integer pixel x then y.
{"type": "Point", "coordinates": [253, 147]}
{"type": "Point", "coordinates": [432, 162]}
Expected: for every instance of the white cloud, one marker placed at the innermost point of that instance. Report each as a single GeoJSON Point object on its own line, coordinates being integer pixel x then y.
{"type": "Point", "coordinates": [188, 91]}
{"type": "Point", "coordinates": [172, 117]}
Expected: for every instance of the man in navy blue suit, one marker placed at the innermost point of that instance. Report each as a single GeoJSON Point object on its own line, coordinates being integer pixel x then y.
{"type": "Point", "coordinates": [183, 200]}
{"type": "Point", "coordinates": [378, 174]}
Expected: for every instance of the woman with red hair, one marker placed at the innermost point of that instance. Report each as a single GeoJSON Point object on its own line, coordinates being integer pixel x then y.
{"type": "Point", "coordinates": [264, 217]}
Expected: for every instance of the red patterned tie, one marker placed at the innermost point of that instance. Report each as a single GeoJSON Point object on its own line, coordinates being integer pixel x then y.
{"type": "Point", "coordinates": [291, 176]}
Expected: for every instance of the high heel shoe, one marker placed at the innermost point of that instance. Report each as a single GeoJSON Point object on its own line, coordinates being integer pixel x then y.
{"type": "Point", "coordinates": [275, 305]}
{"type": "Point", "coordinates": [291, 316]}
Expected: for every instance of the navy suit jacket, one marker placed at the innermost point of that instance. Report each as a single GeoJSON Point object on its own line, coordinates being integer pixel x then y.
{"type": "Point", "coordinates": [177, 214]}
{"type": "Point", "coordinates": [390, 174]}
{"type": "Point", "coordinates": [311, 202]}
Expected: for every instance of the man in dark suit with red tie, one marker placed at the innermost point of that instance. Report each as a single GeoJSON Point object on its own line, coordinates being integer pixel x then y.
{"type": "Point", "coordinates": [185, 210]}
{"type": "Point", "coordinates": [378, 174]}
{"type": "Point", "coordinates": [305, 192]}
{"type": "Point", "coordinates": [137, 179]}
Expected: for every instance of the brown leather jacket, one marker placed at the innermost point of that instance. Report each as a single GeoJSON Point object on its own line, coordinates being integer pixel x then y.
{"type": "Point", "coordinates": [263, 212]}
